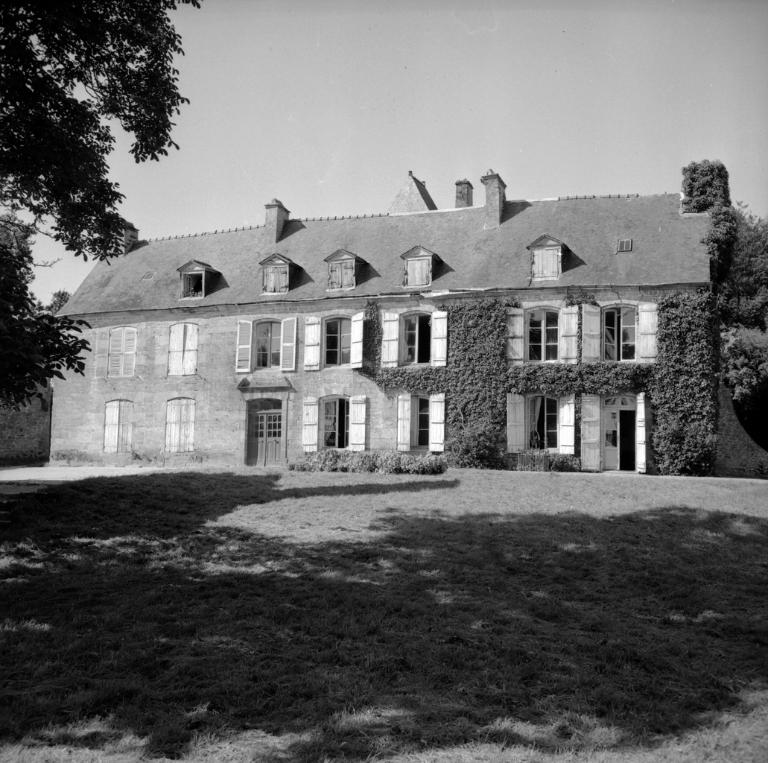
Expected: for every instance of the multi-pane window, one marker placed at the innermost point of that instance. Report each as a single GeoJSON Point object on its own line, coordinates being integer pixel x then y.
{"type": "Point", "coordinates": [418, 271]}
{"type": "Point", "coordinates": [421, 422]}
{"type": "Point", "coordinates": [542, 422]}
{"type": "Point", "coordinates": [118, 426]}
{"type": "Point", "coordinates": [338, 336]}
{"type": "Point", "coordinates": [335, 422]}
{"type": "Point", "coordinates": [180, 425]}
{"type": "Point", "coordinates": [122, 351]}
{"type": "Point", "coordinates": [542, 335]}
{"type": "Point", "coordinates": [417, 338]}
{"type": "Point", "coordinates": [341, 274]}
{"type": "Point", "coordinates": [619, 328]}
{"type": "Point", "coordinates": [267, 344]}
{"type": "Point", "coordinates": [182, 349]}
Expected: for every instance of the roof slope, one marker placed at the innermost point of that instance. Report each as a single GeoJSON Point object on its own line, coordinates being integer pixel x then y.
{"type": "Point", "coordinates": [667, 249]}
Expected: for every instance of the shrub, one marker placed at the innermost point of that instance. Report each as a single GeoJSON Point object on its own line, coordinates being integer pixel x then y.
{"type": "Point", "coordinates": [475, 447]}
{"type": "Point", "coordinates": [564, 463]}
{"type": "Point", "coordinates": [383, 462]}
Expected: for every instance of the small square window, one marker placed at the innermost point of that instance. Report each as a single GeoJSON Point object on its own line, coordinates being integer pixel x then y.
{"type": "Point", "coordinates": [276, 279]}
{"type": "Point", "coordinates": [418, 272]}
{"type": "Point", "coordinates": [624, 245]}
{"type": "Point", "coordinates": [192, 285]}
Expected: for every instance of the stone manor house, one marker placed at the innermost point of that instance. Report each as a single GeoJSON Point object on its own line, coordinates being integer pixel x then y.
{"type": "Point", "coordinates": [247, 346]}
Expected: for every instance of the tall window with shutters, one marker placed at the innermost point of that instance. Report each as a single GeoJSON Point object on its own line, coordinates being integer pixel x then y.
{"type": "Point", "coordinates": [335, 422]}
{"type": "Point", "coordinates": [118, 426]}
{"type": "Point", "coordinates": [421, 422]}
{"type": "Point", "coordinates": [540, 422]}
{"type": "Point", "coordinates": [180, 425]}
{"type": "Point", "coordinates": [122, 351]}
{"type": "Point", "coordinates": [266, 344]}
{"type": "Point", "coordinates": [619, 331]}
{"type": "Point", "coordinates": [182, 349]}
{"type": "Point", "coordinates": [413, 338]}
{"type": "Point", "coordinates": [542, 335]}
{"type": "Point", "coordinates": [338, 341]}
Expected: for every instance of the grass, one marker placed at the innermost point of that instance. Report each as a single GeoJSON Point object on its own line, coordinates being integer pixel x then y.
{"type": "Point", "coordinates": [309, 617]}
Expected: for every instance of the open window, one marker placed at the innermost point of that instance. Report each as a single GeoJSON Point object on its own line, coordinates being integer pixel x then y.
{"type": "Point", "coordinates": [198, 279]}
{"type": "Point", "coordinates": [335, 422]}
{"type": "Point", "coordinates": [421, 422]}
{"type": "Point", "coordinates": [276, 274]}
{"type": "Point", "coordinates": [263, 344]}
{"type": "Point", "coordinates": [540, 422]}
{"type": "Point", "coordinates": [338, 341]}
{"type": "Point", "coordinates": [418, 267]}
{"type": "Point", "coordinates": [413, 338]}
{"type": "Point", "coordinates": [342, 270]}
{"type": "Point", "coordinates": [417, 338]}
{"type": "Point", "coordinates": [619, 333]}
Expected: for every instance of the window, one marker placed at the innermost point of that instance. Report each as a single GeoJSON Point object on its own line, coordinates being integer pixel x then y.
{"type": "Point", "coordinates": [267, 344]}
{"type": "Point", "coordinates": [338, 336]}
{"type": "Point", "coordinates": [417, 338]}
{"type": "Point", "coordinates": [118, 426]}
{"type": "Point", "coordinates": [624, 245]}
{"type": "Point", "coordinates": [341, 275]}
{"type": "Point", "coordinates": [182, 350]}
{"type": "Point", "coordinates": [420, 409]}
{"type": "Point", "coordinates": [542, 334]}
{"type": "Point", "coordinates": [546, 263]}
{"type": "Point", "coordinates": [418, 272]}
{"type": "Point", "coordinates": [335, 422]}
{"type": "Point", "coordinates": [275, 279]}
{"type": "Point", "coordinates": [542, 422]}
{"type": "Point", "coordinates": [180, 425]}
{"type": "Point", "coordinates": [197, 279]}
{"type": "Point", "coordinates": [192, 285]}
{"type": "Point", "coordinates": [619, 333]}
{"type": "Point", "coordinates": [420, 422]}
{"type": "Point", "coordinates": [122, 351]}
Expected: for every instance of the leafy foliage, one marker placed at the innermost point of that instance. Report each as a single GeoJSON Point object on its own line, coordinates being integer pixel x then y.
{"type": "Point", "coordinates": [36, 346]}
{"type": "Point", "coordinates": [705, 185]}
{"type": "Point", "coordinates": [684, 385]}
{"type": "Point", "coordinates": [558, 379]}
{"type": "Point", "coordinates": [382, 462]}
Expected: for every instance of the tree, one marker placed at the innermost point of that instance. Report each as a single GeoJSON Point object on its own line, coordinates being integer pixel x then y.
{"type": "Point", "coordinates": [58, 300]}
{"type": "Point", "coordinates": [35, 346]}
{"type": "Point", "coordinates": [66, 69]}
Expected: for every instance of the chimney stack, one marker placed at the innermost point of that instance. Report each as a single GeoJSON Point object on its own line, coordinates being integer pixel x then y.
{"type": "Point", "coordinates": [463, 193]}
{"type": "Point", "coordinates": [276, 218]}
{"type": "Point", "coordinates": [494, 198]}
{"type": "Point", "coordinates": [130, 236]}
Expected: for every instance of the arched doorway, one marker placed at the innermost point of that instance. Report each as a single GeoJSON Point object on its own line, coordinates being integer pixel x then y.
{"type": "Point", "coordinates": [264, 436]}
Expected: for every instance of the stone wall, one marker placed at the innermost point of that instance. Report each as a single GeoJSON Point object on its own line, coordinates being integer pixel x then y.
{"type": "Point", "coordinates": [25, 434]}
{"type": "Point", "coordinates": [738, 455]}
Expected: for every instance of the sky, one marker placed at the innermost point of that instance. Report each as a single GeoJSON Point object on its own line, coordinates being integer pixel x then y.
{"type": "Point", "coordinates": [327, 104]}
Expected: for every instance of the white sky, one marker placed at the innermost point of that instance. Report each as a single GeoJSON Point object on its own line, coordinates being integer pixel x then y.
{"type": "Point", "coordinates": [327, 104]}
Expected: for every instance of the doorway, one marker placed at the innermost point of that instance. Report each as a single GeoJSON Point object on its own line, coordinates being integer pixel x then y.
{"type": "Point", "coordinates": [264, 433]}
{"type": "Point", "coordinates": [619, 433]}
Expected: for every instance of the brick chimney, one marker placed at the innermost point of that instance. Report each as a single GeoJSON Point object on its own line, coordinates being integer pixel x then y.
{"type": "Point", "coordinates": [463, 193]}
{"type": "Point", "coordinates": [276, 218]}
{"type": "Point", "coordinates": [130, 236]}
{"type": "Point", "coordinates": [494, 198]}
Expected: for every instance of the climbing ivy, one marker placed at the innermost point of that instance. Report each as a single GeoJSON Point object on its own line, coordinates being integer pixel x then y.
{"type": "Point", "coordinates": [683, 388]}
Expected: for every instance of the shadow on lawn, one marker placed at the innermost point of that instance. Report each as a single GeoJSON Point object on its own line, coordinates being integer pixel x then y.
{"type": "Point", "coordinates": [543, 630]}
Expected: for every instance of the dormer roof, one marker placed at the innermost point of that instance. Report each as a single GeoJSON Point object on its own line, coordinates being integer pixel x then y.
{"type": "Point", "coordinates": [418, 251]}
{"type": "Point", "coordinates": [341, 254]}
{"type": "Point", "coordinates": [196, 266]}
{"type": "Point", "coordinates": [545, 240]}
{"type": "Point", "coordinates": [276, 259]}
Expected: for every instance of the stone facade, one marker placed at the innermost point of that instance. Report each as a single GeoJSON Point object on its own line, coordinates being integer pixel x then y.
{"type": "Point", "coordinates": [25, 434]}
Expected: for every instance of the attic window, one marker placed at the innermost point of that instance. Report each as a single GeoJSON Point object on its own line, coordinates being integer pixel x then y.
{"type": "Point", "coordinates": [275, 274]}
{"type": "Point", "coordinates": [342, 270]}
{"type": "Point", "coordinates": [418, 266]}
{"type": "Point", "coordinates": [624, 245]}
{"type": "Point", "coordinates": [546, 258]}
{"type": "Point", "coordinates": [197, 279]}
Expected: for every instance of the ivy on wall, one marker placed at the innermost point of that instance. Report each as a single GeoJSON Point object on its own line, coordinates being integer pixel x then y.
{"type": "Point", "coordinates": [683, 387]}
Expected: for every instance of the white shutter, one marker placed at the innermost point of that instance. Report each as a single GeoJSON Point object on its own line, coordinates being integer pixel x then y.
{"type": "Point", "coordinates": [640, 456]}
{"type": "Point", "coordinates": [187, 425]}
{"type": "Point", "coordinates": [566, 419]}
{"type": "Point", "coordinates": [115, 367]}
{"type": "Point", "coordinates": [568, 334]}
{"type": "Point", "coordinates": [175, 349]}
{"type": "Point", "coordinates": [189, 363]}
{"type": "Point", "coordinates": [309, 428]}
{"type": "Point", "coordinates": [389, 336]}
{"type": "Point", "coordinates": [172, 415]}
{"type": "Point", "coordinates": [590, 432]}
{"type": "Point", "coordinates": [647, 323]}
{"type": "Point", "coordinates": [515, 335]}
{"type": "Point", "coordinates": [437, 422]}
{"type": "Point", "coordinates": [515, 423]}
{"type": "Point", "coordinates": [311, 343]}
{"type": "Point", "coordinates": [404, 422]}
{"type": "Point", "coordinates": [356, 340]}
{"type": "Point", "coordinates": [129, 351]}
{"type": "Point", "coordinates": [591, 331]}
{"type": "Point", "coordinates": [125, 427]}
{"type": "Point", "coordinates": [243, 352]}
{"type": "Point", "coordinates": [357, 411]}
{"type": "Point", "coordinates": [288, 344]}
{"type": "Point", "coordinates": [439, 348]}
{"type": "Point", "coordinates": [111, 421]}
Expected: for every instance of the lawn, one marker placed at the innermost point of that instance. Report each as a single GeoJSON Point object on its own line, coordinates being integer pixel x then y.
{"type": "Point", "coordinates": [472, 616]}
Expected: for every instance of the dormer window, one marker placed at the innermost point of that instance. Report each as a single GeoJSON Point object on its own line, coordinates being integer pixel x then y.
{"type": "Point", "coordinates": [275, 274]}
{"type": "Point", "coordinates": [342, 270]}
{"type": "Point", "coordinates": [546, 258]}
{"type": "Point", "coordinates": [197, 279]}
{"type": "Point", "coordinates": [419, 263]}
{"type": "Point", "coordinates": [624, 245]}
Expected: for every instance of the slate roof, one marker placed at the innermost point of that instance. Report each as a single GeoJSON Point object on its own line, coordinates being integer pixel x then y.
{"type": "Point", "coordinates": [666, 249]}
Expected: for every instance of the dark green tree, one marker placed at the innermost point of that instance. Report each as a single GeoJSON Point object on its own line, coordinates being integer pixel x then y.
{"type": "Point", "coordinates": [66, 70]}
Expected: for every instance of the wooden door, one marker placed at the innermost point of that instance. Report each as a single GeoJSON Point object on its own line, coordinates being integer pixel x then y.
{"type": "Point", "coordinates": [265, 431]}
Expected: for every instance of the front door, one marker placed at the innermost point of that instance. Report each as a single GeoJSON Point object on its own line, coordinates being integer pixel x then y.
{"type": "Point", "coordinates": [265, 431]}
{"type": "Point", "coordinates": [619, 433]}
